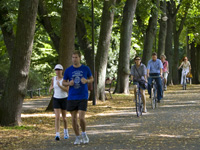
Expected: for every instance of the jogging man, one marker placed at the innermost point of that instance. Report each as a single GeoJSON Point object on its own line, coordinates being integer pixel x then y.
{"type": "Point", "coordinates": [154, 68]}
{"type": "Point", "coordinates": [76, 77]}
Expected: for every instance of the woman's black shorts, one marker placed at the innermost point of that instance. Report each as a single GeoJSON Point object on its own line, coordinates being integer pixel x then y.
{"type": "Point", "coordinates": [60, 103]}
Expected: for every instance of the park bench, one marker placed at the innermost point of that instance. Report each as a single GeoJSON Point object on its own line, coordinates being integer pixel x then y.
{"type": "Point", "coordinates": [38, 91]}
{"type": "Point", "coordinates": [108, 84]}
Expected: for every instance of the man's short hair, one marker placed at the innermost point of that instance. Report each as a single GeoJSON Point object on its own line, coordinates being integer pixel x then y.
{"type": "Point", "coordinates": [154, 54]}
{"type": "Point", "coordinates": [76, 52]}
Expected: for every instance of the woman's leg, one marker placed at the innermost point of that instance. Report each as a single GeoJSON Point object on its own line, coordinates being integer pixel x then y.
{"type": "Point", "coordinates": [57, 119]}
{"type": "Point", "coordinates": [64, 112]}
{"type": "Point", "coordinates": [143, 98]}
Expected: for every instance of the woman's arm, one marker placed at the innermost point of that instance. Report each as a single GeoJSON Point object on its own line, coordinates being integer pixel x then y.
{"type": "Point", "coordinates": [51, 86]}
{"type": "Point", "coordinates": [64, 88]}
{"type": "Point", "coordinates": [180, 65]}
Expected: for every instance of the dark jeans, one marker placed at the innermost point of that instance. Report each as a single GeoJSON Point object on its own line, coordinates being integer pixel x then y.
{"type": "Point", "coordinates": [158, 83]}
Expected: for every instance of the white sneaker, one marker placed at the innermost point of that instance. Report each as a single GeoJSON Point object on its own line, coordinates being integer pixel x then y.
{"type": "Point", "coordinates": [78, 140]}
{"type": "Point", "coordinates": [66, 135]}
{"type": "Point", "coordinates": [85, 139]}
{"type": "Point", "coordinates": [144, 110]}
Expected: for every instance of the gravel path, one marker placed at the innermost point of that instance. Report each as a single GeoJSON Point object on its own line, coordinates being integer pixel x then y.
{"type": "Point", "coordinates": [175, 125]}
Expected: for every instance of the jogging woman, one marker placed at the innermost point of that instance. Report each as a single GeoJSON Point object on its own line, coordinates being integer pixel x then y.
{"type": "Point", "coordinates": [59, 101]}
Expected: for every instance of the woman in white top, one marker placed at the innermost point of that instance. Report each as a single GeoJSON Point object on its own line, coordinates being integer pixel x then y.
{"type": "Point", "coordinates": [186, 67]}
{"type": "Point", "coordinates": [59, 101]}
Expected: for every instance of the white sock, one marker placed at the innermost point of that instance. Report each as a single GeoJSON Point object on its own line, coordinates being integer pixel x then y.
{"type": "Point", "coordinates": [65, 130]}
{"type": "Point", "coordinates": [57, 133]}
{"type": "Point", "coordinates": [83, 133]}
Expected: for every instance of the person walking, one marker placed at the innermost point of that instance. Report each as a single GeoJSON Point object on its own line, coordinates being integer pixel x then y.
{"type": "Point", "coordinates": [165, 70]}
{"type": "Point", "coordinates": [59, 101]}
{"type": "Point", "coordinates": [76, 77]}
{"type": "Point", "coordinates": [186, 67]}
{"type": "Point", "coordinates": [154, 68]}
{"type": "Point", "coordinates": [138, 73]}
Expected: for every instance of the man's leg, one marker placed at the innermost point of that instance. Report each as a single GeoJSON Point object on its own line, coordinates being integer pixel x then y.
{"type": "Point", "coordinates": [82, 120]}
{"type": "Point", "coordinates": [159, 88]}
{"type": "Point", "coordinates": [75, 122]}
{"type": "Point", "coordinates": [83, 126]}
{"type": "Point", "coordinates": [149, 85]}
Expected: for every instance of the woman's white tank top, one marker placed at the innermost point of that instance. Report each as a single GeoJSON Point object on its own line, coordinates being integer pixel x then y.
{"type": "Point", "coordinates": [58, 92]}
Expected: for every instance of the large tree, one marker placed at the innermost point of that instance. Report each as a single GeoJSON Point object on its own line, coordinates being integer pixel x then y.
{"type": "Point", "coordinates": [172, 10]}
{"type": "Point", "coordinates": [103, 46]}
{"type": "Point", "coordinates": [125, 43]}
{"type": "Point", "coordinates": [163, 28]}
{"type": "Point", "coordinates": [68, 29]}
{"type": "Point", "coordinates": [150, 33]}
{"type": "Point", "coordinates": [177, 31]}
{"type": "Point", "coordinates": [11, 102]}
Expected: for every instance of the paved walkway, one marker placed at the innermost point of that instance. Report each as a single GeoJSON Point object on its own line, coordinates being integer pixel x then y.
{"type": "Point", "coordinates": [175, 125]}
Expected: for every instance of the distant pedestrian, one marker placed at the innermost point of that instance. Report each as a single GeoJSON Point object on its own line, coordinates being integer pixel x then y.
{"type": "Point", "coordinates": [59, 101]}
{"type": "Point", "coordinates": [165, 70]}
{"type": "Point", "coordinates": [76, 77]}
{"type": "Point", "coordinates": [186, 67]}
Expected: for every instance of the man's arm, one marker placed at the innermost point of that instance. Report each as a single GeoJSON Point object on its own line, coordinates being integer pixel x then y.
{"type": "Point", "coordinates": [147, 73]}
{"type": "Point", "coordinates": [89, 80]}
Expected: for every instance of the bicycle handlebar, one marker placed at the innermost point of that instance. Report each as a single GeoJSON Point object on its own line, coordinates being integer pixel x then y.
{"type": "Point", "coordinates": [154, 77]}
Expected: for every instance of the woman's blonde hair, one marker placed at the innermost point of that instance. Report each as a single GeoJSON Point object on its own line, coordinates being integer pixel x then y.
{"type": "Point", "coordinates": [163, 56]}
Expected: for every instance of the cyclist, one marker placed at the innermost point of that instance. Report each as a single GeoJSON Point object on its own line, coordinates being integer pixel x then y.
{"type": "Point", "coordinates": [138, 73]}
{"type": "Point", "coordinates": [165, 70]}
{"type": "Point", "coordinates": [186, 67]}
{"type": "Point", "coordinates": [154, 68]}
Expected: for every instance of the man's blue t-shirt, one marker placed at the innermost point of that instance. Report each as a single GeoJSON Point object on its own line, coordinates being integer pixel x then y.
{"type": "Point", "coordinates": [154, 66]}
{"type": "Point", "coordinates": [79, 91]}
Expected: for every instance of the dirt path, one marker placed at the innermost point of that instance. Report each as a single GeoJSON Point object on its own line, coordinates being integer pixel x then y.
{"type": "Point", "coordinates": [174, 125]}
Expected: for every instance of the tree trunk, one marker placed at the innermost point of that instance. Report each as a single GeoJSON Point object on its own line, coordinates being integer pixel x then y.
{"type": "Point", "coordinates": [163, 29]}
{"type": "Point", "coordinates": [68, 27]}
{"type": "Point", "coordinates": [194, 63]}
{"type": "Point", "coordinates": [168, 47]}
{"type": "Point", "coordinates": [46, 22]}
{"type": "Point", "coordinates": [150, 34]}
{"type": "Point", "coordinates": [176, 47]}
{"type": "Point", "coordinates": [171, 13]}
{"type": "Point", "coordinates": [122, 85]}
{"type": "Point", "coordinates": [7, 31]}
{"type": "Point", "coordinates": [103, 46]}
{"type": "Point", "coordinates": [11, 102]}
{"type": "Point", "coordinates": [85, 46]}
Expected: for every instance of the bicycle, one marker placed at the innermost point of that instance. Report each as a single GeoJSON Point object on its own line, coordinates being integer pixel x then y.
{"type": "Point", "coordinates": [138, 101]}
{"type": "Point", "coordinates": [154, 99]}
{"type": "Point", "coordinates": [184, 81]}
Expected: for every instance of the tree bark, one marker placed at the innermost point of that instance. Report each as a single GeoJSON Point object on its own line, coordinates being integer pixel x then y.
{"type": "Point", "coordinates": [46, 22]}
{"type": "Point", "coordinates": [150, 33]}
{"type": "Point", "coordinates": [103, 47]}
{"type": "Point", "coordinates": [176, 47]}
{"type": "Point", "coordinates": [171, 13]}
{"type": "Point", "coordinates": [194, 62]}
{"type": "Point", "coordinates": [7, 31]}
{"type": "Point", "coordinates": [85, 46]}
{"type": "Point", "coordinates": [163, 29]}
{"type": "Point", "coordinates": [122, 85]}
{"type": "Point", "coordinates": [11, 102]}
{"type": "Point", "coordinates": [68, 28]}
